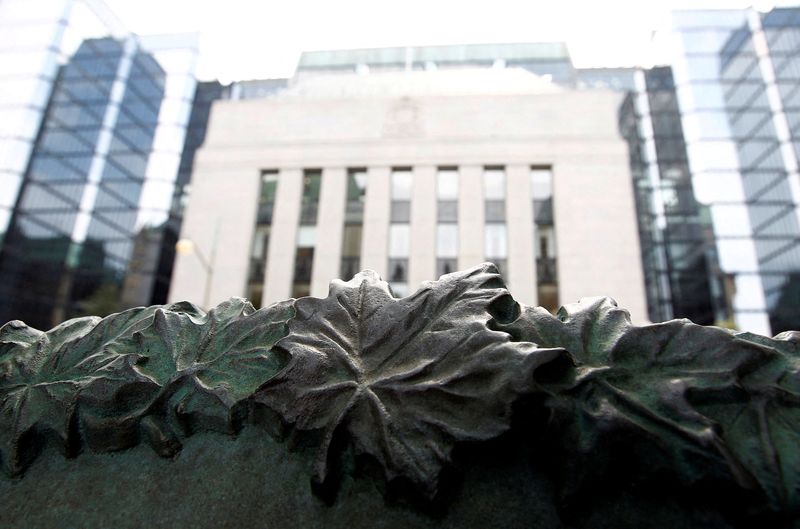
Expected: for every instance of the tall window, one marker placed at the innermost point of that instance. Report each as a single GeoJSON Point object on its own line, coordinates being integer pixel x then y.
{"type": "Point", "coordinates": [447, 220]}
{"type": "Point", "coordinates": [545, 237]}
{"type": "Point", "coordinates": [260, 244]}
{"type": "Point", "coordinates": [495, 237]}
{"type": "Point", "coordinates": [353, 222]}
{"type": "Point", "coordinates": [306, 233]}
{"type": "Point", "coordinates": [399, 230]}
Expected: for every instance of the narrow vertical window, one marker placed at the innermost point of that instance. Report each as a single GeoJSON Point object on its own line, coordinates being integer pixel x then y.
{"type": "Point", "coordinates": [260, 244]}
{"type": "Point", "coordinates": [495, 237]}
{"type": "Point", "coordinates": [447, 220]}
{"type": "Point", "coordinates": [353, 222]}
{"type": "Point", "coordinates": [545, 237]}
{"type": "Point", "coordinates": [399, 230]}
{"type": "Point", "coordinates": [306, 233]}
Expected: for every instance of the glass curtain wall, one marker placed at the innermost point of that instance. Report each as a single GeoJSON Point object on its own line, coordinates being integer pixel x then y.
{"type": "Point", "coordinates": [692, 270]}
{"type": "Point", "coordinates": [260, 244]}
{"type": "Point", "coordinates": [353, 222]}
{"type": "Point", "coordinates": [399, 230]}
{"type": "Point", "coordinates": [447, 220]}
{"type": "Point", "coordinates": [205, 94]}
{"type": "Point", "coordinates": [30, 40]}
{"type": "Point", "coordinates": [764, 187]}
{"type": "Point", "coordinates": [734, 71]}
{"type": "Point", "coordinates": [495, 236]}
{"type": "Point", "coordinates": [545, 238]}
{"type": "Point", "coordinates": [160, 207]}
{"type": "Point", "coordinates": [84, 234]}
{"type": "Point", "coordinates": [306, 233]}
{"type": "Point", "coordinates": [651, 237]}
{"type": "Point", "coordinates": [775, 213]}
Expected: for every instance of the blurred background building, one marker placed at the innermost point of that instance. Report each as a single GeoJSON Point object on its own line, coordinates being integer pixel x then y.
{"type": "Point", "coordinates": [394, 159]}
{"type": "Point", "coordinates": [713, 140]}
{"type": "Point", "coordinates": [92, 127]}
{"type": "Point", "coordinates": [415, 163]}
{"type": "Point", "coordinates": [737, 79]}
{"type": "Point", "coordinates": [714, 143]}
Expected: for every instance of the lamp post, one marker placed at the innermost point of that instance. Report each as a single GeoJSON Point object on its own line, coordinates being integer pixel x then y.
{"type": "Point", "coordinates": [186, 246]}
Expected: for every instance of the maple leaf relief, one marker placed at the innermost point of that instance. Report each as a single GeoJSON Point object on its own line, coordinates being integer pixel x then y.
{"type": "Point", "coordinates": [404, 378]}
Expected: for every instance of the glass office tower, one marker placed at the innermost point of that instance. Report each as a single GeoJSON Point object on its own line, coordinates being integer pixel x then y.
{"type": "Point", "coordinates": [737, 77]}
{"type": "Point", "coordinates": [86, 227]}
{"type": "Point", "coordinates": [30, 37]}
{"type": "Point", "coordinates": [682, 277]}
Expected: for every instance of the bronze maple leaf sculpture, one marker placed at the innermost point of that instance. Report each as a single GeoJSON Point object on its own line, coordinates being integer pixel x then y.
{"type": "Point", "coordinates": [403, 381]}
{"type": "Point", "coordinates": [404, 378]}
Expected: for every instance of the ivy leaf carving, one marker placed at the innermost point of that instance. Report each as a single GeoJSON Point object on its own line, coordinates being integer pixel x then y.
{"type": "Point", "coordinates": [719, 404]}
{"type": "Point", "coordinates": [402, 379]}
{"type": "Point", "coordinates": [207, 363]}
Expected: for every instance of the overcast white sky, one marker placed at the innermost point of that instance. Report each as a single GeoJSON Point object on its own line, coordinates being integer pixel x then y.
{"type": "Point", "coordinates": [246, 39]}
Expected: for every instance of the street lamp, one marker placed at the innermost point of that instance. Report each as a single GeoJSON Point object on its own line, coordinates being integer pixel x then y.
{"type": "Point", "coordinates": [187, 246]}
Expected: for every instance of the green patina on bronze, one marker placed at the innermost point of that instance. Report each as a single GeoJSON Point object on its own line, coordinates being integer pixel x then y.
{"type": "Point", "coordinates": [150, 375]}
{"type": "Point", "coordinates": [361, 380]}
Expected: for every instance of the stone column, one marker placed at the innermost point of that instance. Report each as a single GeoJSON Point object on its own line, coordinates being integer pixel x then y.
{"type": "Point", "coordinates": [521, 275]}
{"type": "Point", "coordinates": [470, 216]}
{"type": "Point", "coordinates": [330, 222]}
{"type": "Point", "coordinates": [597, 241]}
{"type": "Point", "coordinates": [283, 237]}
{"type": "Point", "coordinates": [374, 244]}
{"type": "Point", "coordinates": [221, 231]}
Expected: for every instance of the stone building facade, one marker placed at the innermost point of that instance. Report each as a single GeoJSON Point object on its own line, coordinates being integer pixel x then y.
{"type": "Point", "coordinates": [414, 174]}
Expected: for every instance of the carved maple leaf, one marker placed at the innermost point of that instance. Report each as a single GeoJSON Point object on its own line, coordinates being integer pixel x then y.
{"type": "Point", "coordinates": [208, 363]}
{"type": "Point", "coordinates": [110, 382]}
{"type": "Point", "coordinates": [716, 403]}
{"type": "Point", "coordinates": [43, 373]}
{"type": "Point", "coordinates": [407, 378]}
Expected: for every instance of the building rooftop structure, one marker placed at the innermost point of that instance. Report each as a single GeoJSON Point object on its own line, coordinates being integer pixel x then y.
{"type": "Point", "coordinates": [416, 57]}
{"type": "Point", "coordinates": [468, 81]}
{"type": "Point", "coordinates": [543, 58]}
